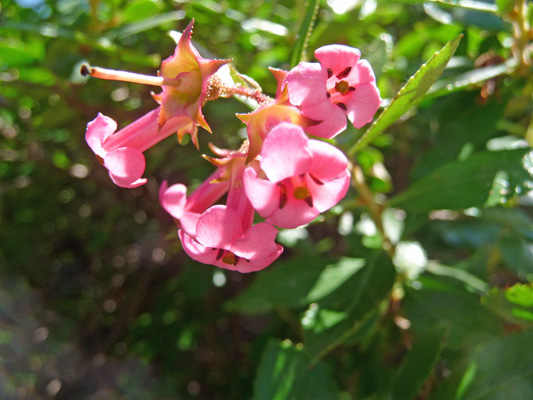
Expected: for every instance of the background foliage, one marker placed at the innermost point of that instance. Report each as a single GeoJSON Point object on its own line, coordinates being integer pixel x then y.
{"type": "Point", "coordinates": [418, 285]}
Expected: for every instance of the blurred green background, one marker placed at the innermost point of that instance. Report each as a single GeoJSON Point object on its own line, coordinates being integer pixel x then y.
{"type": "Point", "coordinates": [98, 300]}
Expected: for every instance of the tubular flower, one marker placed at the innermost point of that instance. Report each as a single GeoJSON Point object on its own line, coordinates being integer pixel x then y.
{"type": "Point", "coordinates": [340, 85]}
{"type": "Point", "coordinates": [221, 240]}
{"type": "Point", "coordinates": [122, 152]}
{"type": "Point", "coordinates": [185, 210]}
{"type": "Point", "coordinates": [191, 73]}
{"type": "Point", "coordinates": [261, 121]}
{"type": "Point", "coordinates": [221, 235]}
{"type": "Point", "coordinates": [298, 178]}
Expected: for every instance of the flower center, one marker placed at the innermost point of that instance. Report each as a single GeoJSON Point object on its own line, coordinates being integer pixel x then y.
{"type": "Point", "coordinates": [300, 192]}
{"type": "Point", "coordinates": [342, 87]}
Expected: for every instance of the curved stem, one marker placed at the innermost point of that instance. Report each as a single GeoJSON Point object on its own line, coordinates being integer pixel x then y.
{"type": "Point", "coordinates": [375, 210]}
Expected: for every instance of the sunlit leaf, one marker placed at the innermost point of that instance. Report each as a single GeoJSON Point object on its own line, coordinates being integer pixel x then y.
{"type": "Point", "coordinates": [286, 373]}
{"type": "Point", "coordinates": [338, 316]}
{"type": "Point", "coordinates": [463, 184]}
{"type": "Point", "coordinates": [410, 94]}
{"type": "Point", "coordinates": [295, 283]}
{"type": "Point", "coordinates": [300, 47]}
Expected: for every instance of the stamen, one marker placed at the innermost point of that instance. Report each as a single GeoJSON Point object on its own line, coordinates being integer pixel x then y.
{"type": "Point", "coordinates": [341, 105]}
{"type": "Point", "coordinates": [220, 254]}
{"type": "Point", "coordinates": [328, 95]}
{"type": "Point", "coordinates": [229, 258]}
{"type": "Point", "coordinates": [351, 89]}
{"type": "Point", "coordinates": [282, 195]}
{"type": "Point", "coordinates": [309, 201]}
{"type": "Point", "coordinates": [316, 180]}
{"type": "Point", "coordinates": [344, 73]}
{"type": "Point", "coordinates": [330, 73]}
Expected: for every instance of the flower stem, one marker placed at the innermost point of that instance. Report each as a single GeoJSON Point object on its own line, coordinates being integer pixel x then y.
{"type": "Point", "coordinates": [115, 75]}
{"type": "Point", "coordinates": [375, 210]}
{"type": "Point", "coordinates": [521, 37]}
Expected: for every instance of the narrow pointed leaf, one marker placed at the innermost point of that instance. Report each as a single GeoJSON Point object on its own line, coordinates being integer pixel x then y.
{"type": "Point", "coordinates": [304, 32]}
{"type": "Point", "coordinates": [410, 94]}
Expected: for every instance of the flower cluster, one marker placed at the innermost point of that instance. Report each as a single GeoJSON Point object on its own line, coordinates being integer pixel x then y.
{"type": "Point", "coordinates": [279, 172]}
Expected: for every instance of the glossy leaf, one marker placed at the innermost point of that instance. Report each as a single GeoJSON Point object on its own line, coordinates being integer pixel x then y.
{"type": "Point", "coordinates": [417, 366]}
{"type": "Point", "coordinates": [514, 304]}
{"type": "Point", "coordinates": [410, 94]}
{"type": "Point", "coordinates": [463, 184]}
{"type": "Point", "coordinates": [501, 369]}
{"type": "Point", "coordinates": [286, 373]}
{"type": "Point", "coordinates": [337, 317]}
{"type": "Point", "coordinates": [295, 284]}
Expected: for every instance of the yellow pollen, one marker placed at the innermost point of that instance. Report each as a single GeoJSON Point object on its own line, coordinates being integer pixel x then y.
{"type": "Point", "coordinates": [229, 258]}
{"type": "Point", "coordinates": [342, 87]}
{"type": "Point", "coordinates": [301, 192]}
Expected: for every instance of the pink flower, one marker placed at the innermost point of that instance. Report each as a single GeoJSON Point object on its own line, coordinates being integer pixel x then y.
{"type": "Point", "coordinates": [221, 240]}
{"type": "Point", "coordinates": [122, 152]}
{"type": "Point", "coordinates": [261, 121]}
{"type": "Point", "coordinates": [221, 235]}
{"type": "Point", "coordinates": [340, 85]}
{"type": "Point", "coordinates": [299, 178]}
{"type": "Point", "coordinates": [187, 210]}
{"type": "Point", "coordinates": [192, 73]}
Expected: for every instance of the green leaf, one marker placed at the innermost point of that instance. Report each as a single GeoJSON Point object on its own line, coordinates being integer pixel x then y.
{"type": "Point", "coordinates": [501, 369]}
{"type": "Point", "coordinates": [436, 303]}
{"type": "Point", "coordinates": [514, 304]}
{"type": "Point", "coordinates": [410, 94]}
{"type": "Point", "coordinates": [505, 6]}
{"type": "Point", "coordinates": [468, 5]}
{"type": "Point", "coordinates": [345, 311]}
{"type": "Point", "coordinates": [308, 22]}
{"type": "Point", "coordinates": [517, 253]}
{"type": "Point", "coordinates": [470, 78]}
{"type": "Point", "coordinates": [417, 366]}
{"type": "Point", "coordinates": [140, 10]}
{"type": "Point", "coordinates": [295, 283]}
{"type": "Point", "coordinates": [463, 184]}
{"type": "Point", "coordinates": [148, 23]}
{"type": "Point", "coordinates": [286, 373]}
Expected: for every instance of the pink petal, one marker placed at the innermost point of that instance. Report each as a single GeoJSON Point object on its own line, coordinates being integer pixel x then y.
{"type": "Point", "coordinates": [126, 166]}
{"type": "Point", "coordinates": [256, 264]}
{"type": "Point", "coordinates": [307, 84]}
{"type": "Point", "coordinates": [295, 213]}
{"type": "Point", "coordinates": [188, 222]}
{"type": "Point", "coordinates": [263, 194]}
{"type": "Point", "coordinates": [328, 161]}
{"type": "Point", "coordinates": [362, 104]}
{"type": "Point", "coordinates": [219, 227]}
{"type": "Point", "coordinates": [330, 192]}
{"type": "Point", "coordinates": [285, 152]}
{"type": "Point", "coordinates": [258, 242]}
{"type": "Point", "coordinates": [362, 72]}
{"type": "Point", "coordinates": [197, 251]}
{"type": "Point", "coordinates": [98, 130]}
{"type": "Point", "coordinates": [337, 57]}
{"type": "Point", "coordinates": [173, 198]}
{"type": "Point", "coordinates": [333, 119]}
